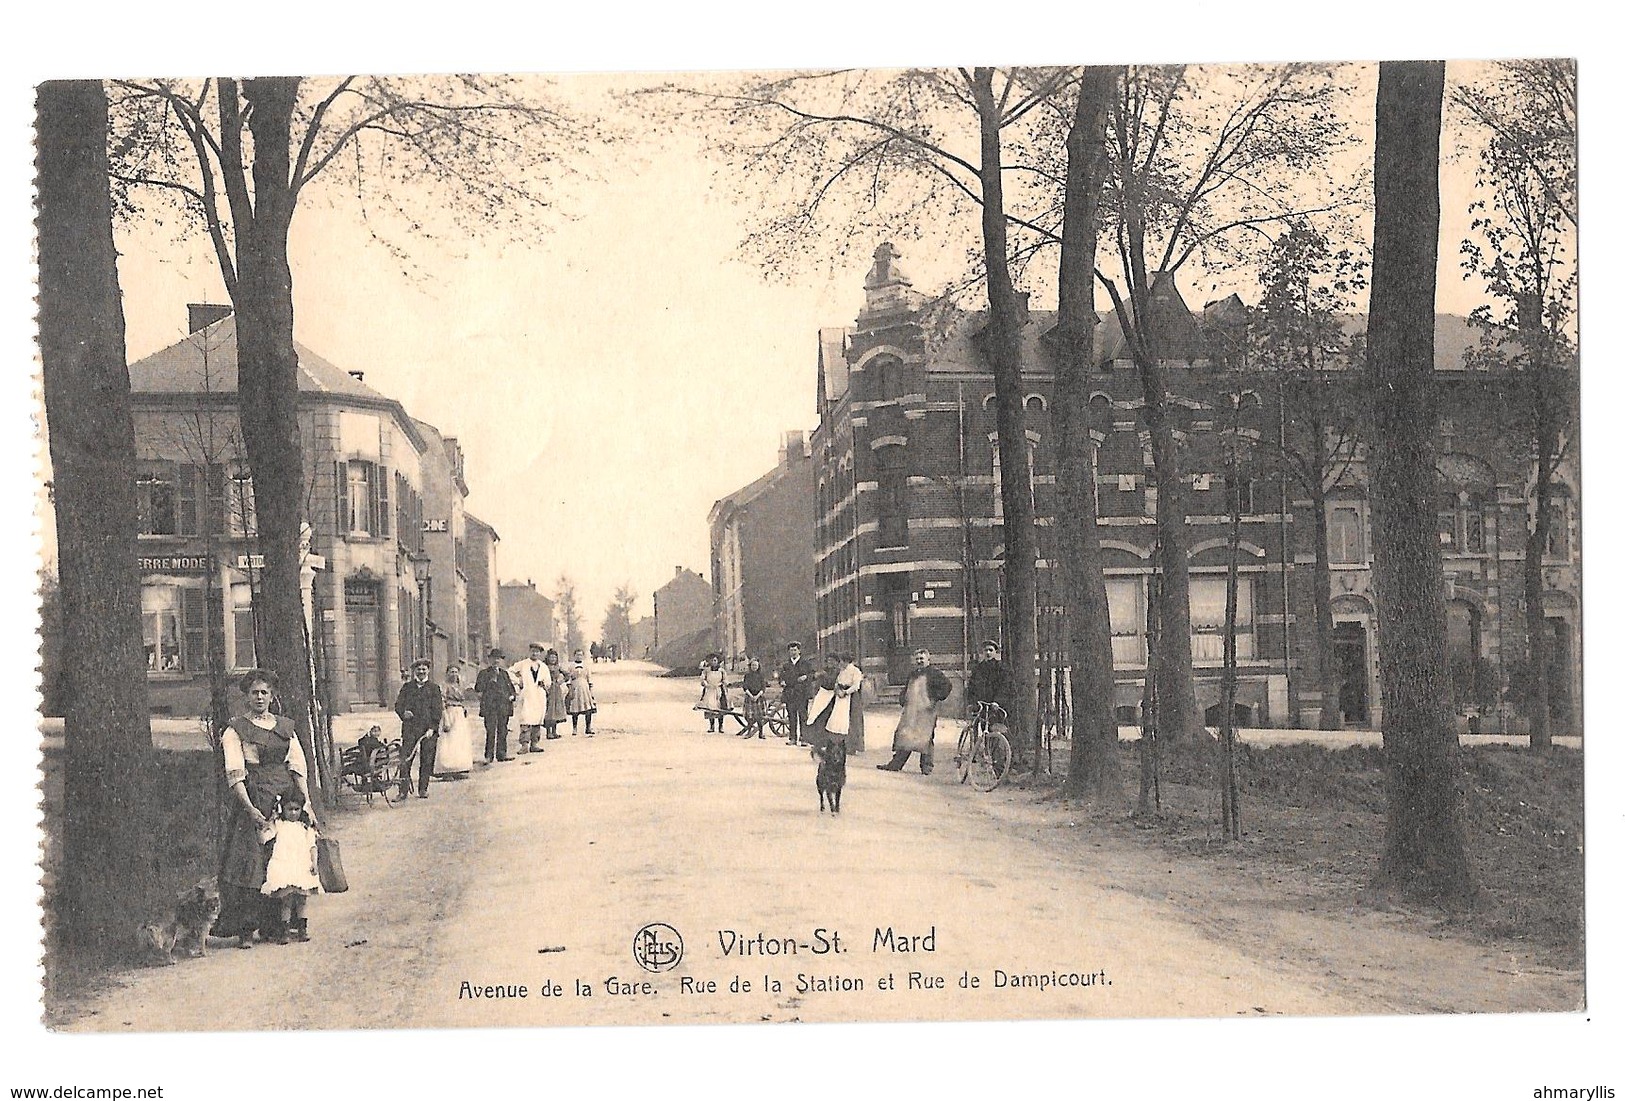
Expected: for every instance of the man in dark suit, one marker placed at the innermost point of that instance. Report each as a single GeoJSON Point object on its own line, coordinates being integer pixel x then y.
{"type": "Point", "coordinates": [421, 707]}
{"type": "Point", "coordinates": [798, 676]}
{"type": "Point", "coordinates": [496, 691]}
{"type": "Point", "coordinates": [990, 680]}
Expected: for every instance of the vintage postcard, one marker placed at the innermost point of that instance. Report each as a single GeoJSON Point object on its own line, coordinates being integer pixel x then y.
{"type": "Point", "coordinates": [861, 545]}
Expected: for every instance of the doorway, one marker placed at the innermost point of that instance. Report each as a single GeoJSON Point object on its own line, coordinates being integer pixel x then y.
{"type": "Point", "coordinates": [896, 601]}
{"type": "Point", "coordinates": [1560, 676]}
{"type": "Point", "coordinates": [1353, 687]}
{"type": "Point", "coordinates": [363, 664]}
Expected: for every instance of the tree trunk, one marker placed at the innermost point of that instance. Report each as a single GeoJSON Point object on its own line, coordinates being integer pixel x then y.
{"type": "Point", "coordinates": [1331, 707]}
{"type": "Point", "coordinates": [113, 872]}
{"type": "Point", "coordinates": [268, 395]}
{"type": "Point", "coordinates": [1178, 718]}
{"type": "Point", "coordinates": [1229, 799]}
{"type": "Point", "coordinates": [1007, 315]}
{"type": "Point", "coordinates": [1094, 768]}
{"type": "Point", "coordinates": [1538, 700]}
{"type": "Point", "coordinates": [1424, 849]}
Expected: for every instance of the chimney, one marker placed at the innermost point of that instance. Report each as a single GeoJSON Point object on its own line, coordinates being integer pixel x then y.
{"type": "Point", "coordinates": [679, 571]}
{"type": "Point", "coordinates": [359, 376]}
{"type": "Point", "coordinates": [200, 315]}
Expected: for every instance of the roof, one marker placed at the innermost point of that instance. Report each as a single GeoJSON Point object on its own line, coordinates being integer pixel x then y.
{"type": "Point", "coordinates": [743, 496]}
{"type": "Point", "coordinates": [206, 362]}
{"type": "Point", "coordinates": [474, 521]}
{"type": "Point", "coordinates": [832, 369]}
{"type": "Point", "coordinates": [959, 348]}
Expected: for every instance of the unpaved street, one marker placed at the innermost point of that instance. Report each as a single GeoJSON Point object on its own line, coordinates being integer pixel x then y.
{"type": "Point", "coordinates": [540, 872]}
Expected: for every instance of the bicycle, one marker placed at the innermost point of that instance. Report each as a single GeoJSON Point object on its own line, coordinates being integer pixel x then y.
{"type": "Point", "coordinates": [983, 756]}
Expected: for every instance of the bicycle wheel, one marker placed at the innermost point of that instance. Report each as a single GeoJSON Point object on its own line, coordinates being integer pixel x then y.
{"type": "Point", "coordinates": [990, 762]}
{"type": "Point", "coordinates": [962, 755]}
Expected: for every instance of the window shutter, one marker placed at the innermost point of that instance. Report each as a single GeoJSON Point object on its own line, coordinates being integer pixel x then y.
{"type": "Point", "coordinates": [382, 527]}
{"type": "Point", "coordinates": [186, 503]}
{"type": "Point", "coordinates": [341, 478]}
{"type": "Point", "coordinates": [215, 489]}
{"type": "Point", "coordinates": [194, 628]}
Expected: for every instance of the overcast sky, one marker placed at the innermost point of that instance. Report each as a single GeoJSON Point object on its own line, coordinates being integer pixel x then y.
{"type": "Point", "coordinates": [611, 378]}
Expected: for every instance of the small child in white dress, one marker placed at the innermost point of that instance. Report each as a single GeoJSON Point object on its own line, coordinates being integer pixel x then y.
{"type": "Point", "coordinates": [290, 873]}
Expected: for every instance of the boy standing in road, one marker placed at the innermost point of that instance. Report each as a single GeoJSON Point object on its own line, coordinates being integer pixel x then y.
{"type": "Point", "coordinates": [420, 707]}
{"type": "Point", "coordinates": [797, 676]}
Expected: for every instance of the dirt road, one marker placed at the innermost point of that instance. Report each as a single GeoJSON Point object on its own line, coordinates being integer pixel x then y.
{"type": "Point", "coordinates": [540, 873]}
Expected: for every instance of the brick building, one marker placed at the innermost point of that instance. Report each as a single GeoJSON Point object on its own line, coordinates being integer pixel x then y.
{"type": "Point", "coordinates": [908, 537]}
{"type": "Point", "coordinates": [762, 558]}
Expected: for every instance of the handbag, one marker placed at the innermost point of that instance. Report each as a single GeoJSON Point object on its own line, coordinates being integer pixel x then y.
{"type": "Point", "coordinates": [330, 866]}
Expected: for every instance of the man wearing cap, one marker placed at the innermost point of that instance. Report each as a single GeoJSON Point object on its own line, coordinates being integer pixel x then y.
{"type": "Point", "coordinates": [533, 678]}
{"type": "Point", "coordinates": [923, 693]}
{"type": "Point", "coordinates": [989, 679]}
{"type": "Point", "coordinates": [421, 707]}
{"type": "Point", "coordinates": [797, 676]}
{"type": "Point", "coordinates": [496, 691]}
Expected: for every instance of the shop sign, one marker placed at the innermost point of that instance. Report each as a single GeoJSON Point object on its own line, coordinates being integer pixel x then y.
{"type": "Point", "coordinates": [434, 527]}
{"type": "Point", "coordinates": [251, 561]}
{"type": "Point", "coordinates": [175, 563]}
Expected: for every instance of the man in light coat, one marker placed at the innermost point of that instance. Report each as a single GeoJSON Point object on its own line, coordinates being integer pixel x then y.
{"type": "Point", "coordinates": [533, 678]}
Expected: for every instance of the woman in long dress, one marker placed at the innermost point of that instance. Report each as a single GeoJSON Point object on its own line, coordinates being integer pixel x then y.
{"type": "Point", "coordinates": [265, 768]}
{"type": "Point", "coordinates": [558, 691]}
{"type": "Point", "coordinates": [837, 709]}
{"type": "Point", "coordinates": [454, 758]}
{"type": "Point", "coordinates": [713, 693]}
{"type": "Point", "coordinates": [579, 700]}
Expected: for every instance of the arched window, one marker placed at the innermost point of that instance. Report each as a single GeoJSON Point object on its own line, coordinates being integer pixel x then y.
{"type": "Point", "coordinates": [892, 476]}
{"type": "Point", "coordinates": [890, 378]}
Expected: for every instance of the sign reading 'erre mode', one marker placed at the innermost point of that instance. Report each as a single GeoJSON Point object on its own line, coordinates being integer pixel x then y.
{"type": "Point", "coordinates": [175, 563]}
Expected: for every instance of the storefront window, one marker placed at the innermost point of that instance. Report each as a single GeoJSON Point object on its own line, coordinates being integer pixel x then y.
{"type": "Point", "coordinates": [161, 628]}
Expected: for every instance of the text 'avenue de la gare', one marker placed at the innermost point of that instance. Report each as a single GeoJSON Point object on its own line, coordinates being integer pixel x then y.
{"type": "Point", "coordinates": [801, 983]}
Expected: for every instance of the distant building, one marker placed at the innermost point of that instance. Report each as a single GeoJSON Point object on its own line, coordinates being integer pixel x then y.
{"type": "Point", "coordinates": [366, 569]}
{"type": "Point", "coordinates": [445, 539]}
{"type": "Point", "coordinates": [524, 616]}
{"type": "Point", "coordinates": [481, 557]}
{"type": "Point", "coordinates": [683, 614]}
{"type": "Point", "coordinates": [643, 637]}
{"type": "Point", "coordinates": [762, 553]}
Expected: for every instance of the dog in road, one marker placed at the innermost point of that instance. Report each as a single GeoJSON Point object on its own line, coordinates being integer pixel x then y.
{"type": "Point", "coordinates": [831, 773]}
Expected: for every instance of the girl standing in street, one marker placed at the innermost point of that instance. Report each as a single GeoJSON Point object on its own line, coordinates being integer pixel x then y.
{"type": "Point", "coordinates": [580, 699]}
{"type": "Point", "coordinates": [558, 690]}
{"type": "Point", "coordinates": [713, 693]}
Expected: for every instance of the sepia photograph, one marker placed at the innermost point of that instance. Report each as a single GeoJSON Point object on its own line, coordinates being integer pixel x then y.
{"type": "Point", "coordinates": [1143, 498]}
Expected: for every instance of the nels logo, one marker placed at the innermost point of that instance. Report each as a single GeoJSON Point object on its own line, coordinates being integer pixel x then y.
{"type": "Point", "coordinates": [657, 947]}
